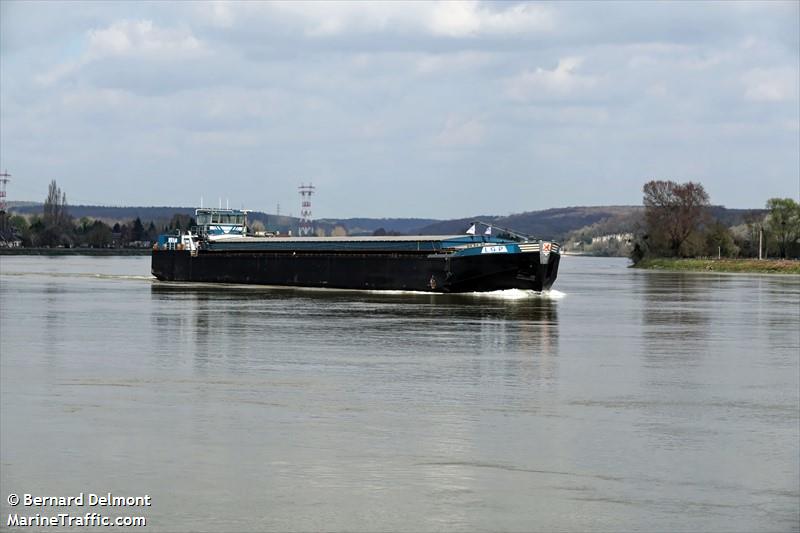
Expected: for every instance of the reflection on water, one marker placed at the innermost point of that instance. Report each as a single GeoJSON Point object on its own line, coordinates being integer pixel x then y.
{"type": "Point", "coordinates": [280, 326]}
{"type": "Point", "coordinates": [638, 401]}
{"type": "Point", "coordinates": [676, 318]}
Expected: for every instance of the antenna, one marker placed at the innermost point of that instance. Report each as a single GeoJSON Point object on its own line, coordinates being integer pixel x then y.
{"type": "Point", "coordinates": [305, 208]}
{"type": "Point", "coordinates": [5, 177]}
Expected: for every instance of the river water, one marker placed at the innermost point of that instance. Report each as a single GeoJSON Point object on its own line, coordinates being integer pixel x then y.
{"type": "Point", "coordinates": [625, 400]}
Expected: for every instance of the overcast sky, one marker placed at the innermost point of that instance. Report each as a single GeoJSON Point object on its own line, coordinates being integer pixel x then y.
{"type": "Point", "coordinates": [399, 109]}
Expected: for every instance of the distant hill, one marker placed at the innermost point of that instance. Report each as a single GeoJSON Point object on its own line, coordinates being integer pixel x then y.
{"type": "Point", "coordinates": [107, 212]}
{"type": "Point", "coordinates": [733, 217]}
{"type": "Point", "coordinates": [557, 223]}
{"type": "Point", "coordinates": [550, 223]}
{"type": "Point", "coordinates": [369, 225]}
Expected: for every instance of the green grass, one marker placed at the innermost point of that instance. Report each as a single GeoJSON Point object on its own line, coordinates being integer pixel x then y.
{"type": "Point", "coordinates": [765, 266]}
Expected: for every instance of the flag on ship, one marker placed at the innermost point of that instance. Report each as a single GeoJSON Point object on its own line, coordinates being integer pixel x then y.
{"type": "Point", "coordinates": [488, 230]}
{"type": "Point", "coordinates": [471, 230]}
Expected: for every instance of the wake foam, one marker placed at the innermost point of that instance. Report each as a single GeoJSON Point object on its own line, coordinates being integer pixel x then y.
{"type": "Point", "coordinates": [92, 275]}
{"type": "Point", "coordinates": [520, 294]}
{"type": "Point", "coordinates": [508, 294]}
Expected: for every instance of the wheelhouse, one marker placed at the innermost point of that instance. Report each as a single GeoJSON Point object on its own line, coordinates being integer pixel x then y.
{"type": "Point", "coordinates": [213, 222]}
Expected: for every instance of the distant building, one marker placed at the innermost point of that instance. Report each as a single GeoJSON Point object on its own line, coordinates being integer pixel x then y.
{"type": "Point", "coordinates": [622, 237]}
{"type": "Point", "coordinates": [9, 238]}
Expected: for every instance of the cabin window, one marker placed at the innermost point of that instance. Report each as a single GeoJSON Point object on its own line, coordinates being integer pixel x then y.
{"type": "Point", "coordinates": [220, 218]}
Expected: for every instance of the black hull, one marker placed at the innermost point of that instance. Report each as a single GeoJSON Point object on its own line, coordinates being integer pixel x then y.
{"type": "Point", "coordinates": [364, 271]}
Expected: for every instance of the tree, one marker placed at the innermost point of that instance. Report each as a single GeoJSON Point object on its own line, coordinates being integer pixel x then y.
{"type": "Point", "coordinates": [719, 240]}
{"type": "Point", "coordinates": [124, 235]}
{"type": "Point", "coordinates": [750, 234]}
{"type": "Point", "coordinates": [19, 223]}
{"type": "Point", "coordinates": [673, 213]}
{"type": "Point", "coordinates": [783, 222]}
{"type": "Point", "coordinates": [55, 207]}
{"type": "Point", "coordinates": [99, 235]}
{"type": "Point", "coordinates": [137, 231]}
{"type": "Point", "coordinates": [34, 231]}
{"type": "Point", "coordinates": [181, 222]}
{"type": "Point", "coordinates": [58, 228]}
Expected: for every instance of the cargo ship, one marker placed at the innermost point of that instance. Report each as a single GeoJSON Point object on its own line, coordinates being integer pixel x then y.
{"type": "Point", "coordinates": [219, 249]}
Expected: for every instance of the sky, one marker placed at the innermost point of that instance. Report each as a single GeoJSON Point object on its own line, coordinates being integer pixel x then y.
{"type": "Point", "coordinates": [399, 109]}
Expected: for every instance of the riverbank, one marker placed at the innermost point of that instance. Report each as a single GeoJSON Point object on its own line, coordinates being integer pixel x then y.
{"type": "Point", "coordinates": [763, 266]}
{"type": "Point", "coordinates": [75, 251]}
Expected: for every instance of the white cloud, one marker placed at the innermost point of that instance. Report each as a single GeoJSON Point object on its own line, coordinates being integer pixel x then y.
{"type": "Point", "coordinates": [432, 63]}
{"type": "Point", "coordinates": [771, 84]}
{"type": "Point", "coordinates": [458, 131]}
{"type": "Point", "coordinates": [87, 100]}
{"type": "Point", "coordinates": [451, 18]}
{"type": "Point", "coordinates": [58, 72]}
{"type": "Point", "coordinates": [657, 90]}
{"type": "Point", "coordinates": [351, 91]}
{"type": "Point", "coordinates": [226, 139]}
{"type": "Point", "coordinates": [562, 81]}
{"type": "Point", "coordinates": [325, 19]}
{"type": "Point", "coordinates": [469, 19]}
{"type": "Point", "coordinates": [221, 13]}
{"type": "Point", "coordinates": [141, 37]}
{"type": "Point", "coordinates": [127, 38]}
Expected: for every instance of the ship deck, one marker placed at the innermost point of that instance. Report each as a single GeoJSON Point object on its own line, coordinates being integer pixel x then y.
{"type": "Point", "coordinates": [409, 243]}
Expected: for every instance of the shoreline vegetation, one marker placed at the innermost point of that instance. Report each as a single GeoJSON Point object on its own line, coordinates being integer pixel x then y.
{"type": "Point", "coordinates": [679, 234]}
{"type": "Point", "coordinates": [744, 265]}
{"type": "Point", "coordinates": [677, 222]}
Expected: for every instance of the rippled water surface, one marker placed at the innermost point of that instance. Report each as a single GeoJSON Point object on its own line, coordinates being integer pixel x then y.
{"type": "Point", "coordinates": [627, 400]}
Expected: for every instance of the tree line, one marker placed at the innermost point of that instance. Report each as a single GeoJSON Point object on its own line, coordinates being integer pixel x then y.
{"type": "Point", "coordinates": [56, 228]}
{"type": "Point", "coordinates": [677, 223]}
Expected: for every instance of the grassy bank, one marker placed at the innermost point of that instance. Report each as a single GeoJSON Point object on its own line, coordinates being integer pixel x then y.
{"type": "Point", "coordinates": [764, 266]}
{"type": "Point", "coordinates": [75, 251]}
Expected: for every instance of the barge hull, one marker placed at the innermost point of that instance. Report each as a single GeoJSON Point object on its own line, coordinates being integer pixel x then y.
{"type": "Point", "coordinates": [370, 271]}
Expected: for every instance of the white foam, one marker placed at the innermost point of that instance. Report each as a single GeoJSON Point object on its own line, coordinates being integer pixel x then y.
{"type": "Point", "coordinates": [392, 291]}
{"type": "Point", "coordinates": [520, 294]}
{"type": "Point", "coordinates": [83, 275]}
{"type": "Point", "coordinates": [508, 294]}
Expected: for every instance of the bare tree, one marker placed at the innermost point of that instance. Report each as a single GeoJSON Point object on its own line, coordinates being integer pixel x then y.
{"type": "Point", "coordinates": [58, 230]}
{"type": "Point", "coordinates": [55, 206]}
{"type": "Point", "coordinates": [673, 212]}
